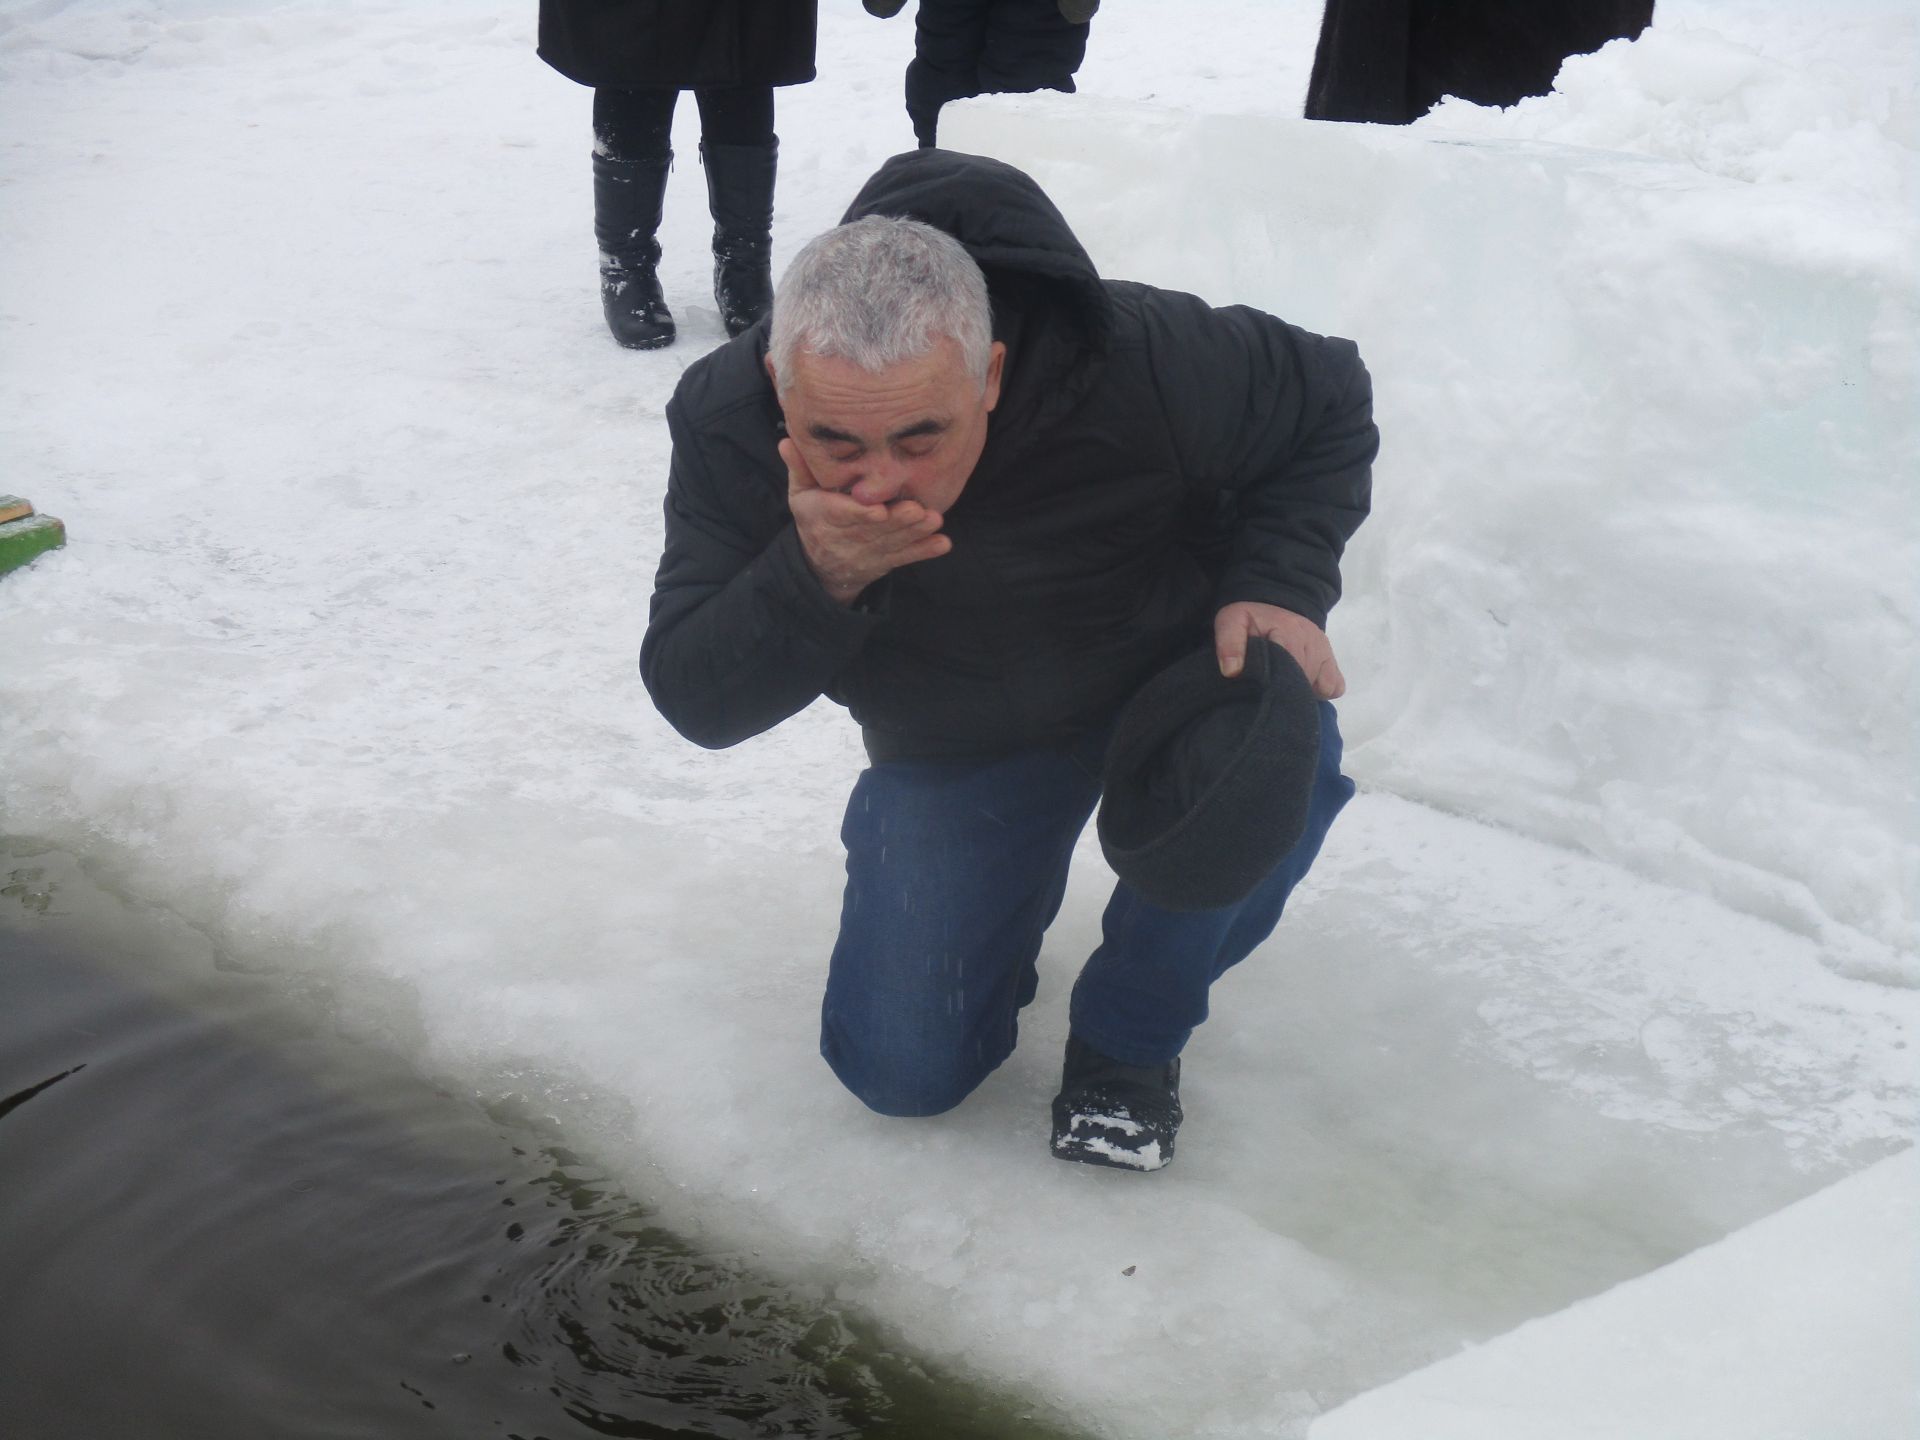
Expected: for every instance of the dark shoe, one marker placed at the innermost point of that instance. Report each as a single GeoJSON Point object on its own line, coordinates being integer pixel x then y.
{"type": "Point", "coordinates": [887, 9]}
{"type": "Point", "coordinates": [628, 196]}
{"type": "Point", "coordinates": [740, 195]}
{"type": "Point", "coordinates": [1078, 12]}
{"type": "Point", "coordinates": [1112, 1114]}
{"type": "Point", "coordinates": [631, 299]}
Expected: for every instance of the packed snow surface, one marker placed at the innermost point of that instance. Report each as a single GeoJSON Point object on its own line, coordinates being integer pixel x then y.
{"type": "Point", "coordinates": [1614, 955]}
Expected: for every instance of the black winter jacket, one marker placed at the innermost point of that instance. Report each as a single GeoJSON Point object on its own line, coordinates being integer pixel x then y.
{"type": "Point", "coordinates": [679, 44]}
{"type": "Point", "coordinates": [1151, 459]}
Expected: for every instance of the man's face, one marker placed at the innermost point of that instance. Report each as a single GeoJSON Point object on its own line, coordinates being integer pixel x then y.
{"type": "Point", "coordinates": [911, 432]}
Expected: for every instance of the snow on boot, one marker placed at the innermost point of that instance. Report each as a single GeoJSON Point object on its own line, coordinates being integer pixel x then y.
{"type": "Point", "coordinates": [628, 196]}
{"type": "Point", "coordinates": [740, 195]}
{"type": "Point", "coordinates": [1112, 1114]}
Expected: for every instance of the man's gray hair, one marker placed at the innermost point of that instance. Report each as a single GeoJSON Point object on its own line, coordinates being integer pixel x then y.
{"type": "Point", "coordinates": [878, 291]}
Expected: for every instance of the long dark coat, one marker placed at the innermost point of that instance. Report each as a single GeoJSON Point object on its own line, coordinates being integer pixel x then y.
{"type": "Point", "coordinates": [679, 44]}
{"type": "Point", "coordinates": [1151, 459]}
{"type": "Point", "coordinates": [988, 47]}
{"type": "Point", "coordinates": [1391, 61]}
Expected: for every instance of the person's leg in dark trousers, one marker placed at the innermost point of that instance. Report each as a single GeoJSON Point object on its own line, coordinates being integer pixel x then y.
{"type": "Point", "coordinates": [632, 155]}
{"type": "Point", "coordinates": [634, 124]}
{"type": "Point", "coordinates": [1144, 989]}
{"type": "Point", "coordinates": [740, 153]}
{"type": "Point", "coordinates": [954, 872]}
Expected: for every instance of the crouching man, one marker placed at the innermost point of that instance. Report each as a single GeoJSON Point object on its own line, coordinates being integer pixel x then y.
{"type": "Point", "coordinates": [1042, 534]}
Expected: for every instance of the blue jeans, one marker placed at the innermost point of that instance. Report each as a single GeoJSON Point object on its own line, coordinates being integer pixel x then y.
{"type": "Point", "coordinates": [954, 872]}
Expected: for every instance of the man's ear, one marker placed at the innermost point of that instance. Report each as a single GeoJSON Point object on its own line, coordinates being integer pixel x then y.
{"type": "Point", "coordinates": [996, 362]}
{"type": "Point", "coordinates": [767, 360]}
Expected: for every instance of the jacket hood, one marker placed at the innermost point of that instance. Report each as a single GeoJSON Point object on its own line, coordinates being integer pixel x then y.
{"type": "Point", "coordinates": [1000, 215]}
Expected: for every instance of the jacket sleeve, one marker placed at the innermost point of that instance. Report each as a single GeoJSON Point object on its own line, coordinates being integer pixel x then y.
{"type": "Point", "coordinates": [1278, 422]}
{"type": "Point", "coordinates": [740, 634]}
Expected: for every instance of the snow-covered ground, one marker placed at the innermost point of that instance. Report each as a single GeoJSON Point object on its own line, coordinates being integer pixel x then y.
{"type": "Point", "coordinates": [1615, 954]}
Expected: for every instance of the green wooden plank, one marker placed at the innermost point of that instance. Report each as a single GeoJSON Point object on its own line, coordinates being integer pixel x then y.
{"type": "Point", "coordinates": [23, 540]}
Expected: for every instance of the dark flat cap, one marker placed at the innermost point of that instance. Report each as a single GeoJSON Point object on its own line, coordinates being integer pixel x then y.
{"type": "Point", "coordinates": [1208, 778]}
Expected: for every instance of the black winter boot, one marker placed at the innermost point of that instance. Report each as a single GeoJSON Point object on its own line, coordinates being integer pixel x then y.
{"type": "Point", "coordinates": [740, 195]}
{"type": "Point", "coordinates": [1112, 1114]}
{"type": "Point", "coordinates": [628, 196]}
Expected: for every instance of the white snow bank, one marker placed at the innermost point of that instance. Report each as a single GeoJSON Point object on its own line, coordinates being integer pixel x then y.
{"type": "Point", "coordinates": [1824, 101]}
{"type": "Point", "coordinates": [1805, 1324]}
{"type": "Point", "coordinates": [1639, 577]}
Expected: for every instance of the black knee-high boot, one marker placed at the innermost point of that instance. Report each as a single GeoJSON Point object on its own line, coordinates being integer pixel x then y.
{"type": "Point", "coordinates": [628, 198]}
{"type": "Point", "coordinates": [740, 195]}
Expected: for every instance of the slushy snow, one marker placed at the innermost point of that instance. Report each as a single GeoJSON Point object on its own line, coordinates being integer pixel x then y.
{"type": "Point", "coordinates": [1614, 956]}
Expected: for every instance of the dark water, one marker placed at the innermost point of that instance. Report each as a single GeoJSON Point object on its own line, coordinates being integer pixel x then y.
{"type": "Point", "coordinates": [221, 1218]}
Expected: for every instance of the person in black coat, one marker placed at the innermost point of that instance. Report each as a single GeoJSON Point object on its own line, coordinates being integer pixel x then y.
{"type": "Point", "coordinates": [979, 494]}
{"type": "Point", "coordinates": [963, 48]}
{"type": "Point", "coordinates": [638, 55]}
{"type": "Point", "coordinates": [1391, 61]}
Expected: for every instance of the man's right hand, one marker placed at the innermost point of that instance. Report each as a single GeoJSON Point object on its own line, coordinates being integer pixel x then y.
{"type": "Point", "coordinates": [850, 545]}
